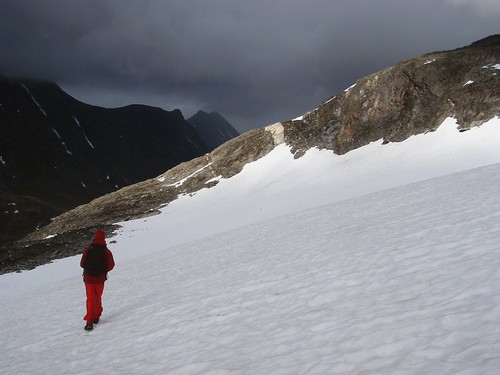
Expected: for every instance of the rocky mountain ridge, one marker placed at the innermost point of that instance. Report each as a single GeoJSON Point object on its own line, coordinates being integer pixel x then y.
{"type": "Point", "coordinates": [57, 152]}
{"type": "Point", "coordinates": [411, 97]}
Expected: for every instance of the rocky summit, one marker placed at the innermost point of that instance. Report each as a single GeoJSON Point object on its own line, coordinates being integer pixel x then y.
{"type": "Point", "coordinates": [411, 97]}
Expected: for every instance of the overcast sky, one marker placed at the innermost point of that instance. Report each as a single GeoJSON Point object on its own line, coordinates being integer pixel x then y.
{"type": "Point", "coordinates": [254, 61]}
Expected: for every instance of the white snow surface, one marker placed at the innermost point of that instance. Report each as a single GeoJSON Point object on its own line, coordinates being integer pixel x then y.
{"type": "Point", "coordinates": [62, 142]}
{"type": "Point", "coordinates": [84, 135]}
{"type": "Point", "coordinates": [34, 100]}
{"type": "Point", "coordinates": [385, 260]}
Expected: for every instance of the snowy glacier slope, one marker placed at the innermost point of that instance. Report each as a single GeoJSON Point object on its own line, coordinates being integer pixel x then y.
{"type": "Point", "coordinates": [383, 260]}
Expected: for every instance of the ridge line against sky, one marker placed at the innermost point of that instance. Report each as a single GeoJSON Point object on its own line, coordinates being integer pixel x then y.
{"type": "Point", "coordinates": [254, 62]}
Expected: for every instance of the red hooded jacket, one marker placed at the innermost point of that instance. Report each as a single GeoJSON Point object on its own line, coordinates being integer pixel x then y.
{"type": "Point", "coordinates": [99, 239]}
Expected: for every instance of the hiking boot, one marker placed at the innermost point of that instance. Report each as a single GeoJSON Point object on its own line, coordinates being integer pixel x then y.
{"type": "Point", "coordinates": [96, 321]}
{"type": "Point", "coordinates": [89, 327]}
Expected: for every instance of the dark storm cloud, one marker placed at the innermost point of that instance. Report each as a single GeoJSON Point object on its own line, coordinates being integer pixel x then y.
{"type": "Point", "coordinates": [256, 62]}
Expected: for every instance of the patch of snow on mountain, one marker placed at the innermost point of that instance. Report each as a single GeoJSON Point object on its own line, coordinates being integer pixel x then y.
{"type": "Point", "coordinates": [180, 182]}
{"type": "Point", "coordinates": [85, 135]}
{"type": "Point", "coordinates": [492, 66]}
{"type": "Point", "coordinates": [190, 141]}
{"type": "Point", "coordinates": [62, 142]}
{"type": "Point", "coordinates": [349, 88]}
{"type": "Point", "coordinates": [34, 100]}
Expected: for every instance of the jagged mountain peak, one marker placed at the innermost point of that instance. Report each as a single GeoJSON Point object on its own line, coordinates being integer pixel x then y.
{"type": "Point", "coordinates": [215, 116]}
{"type": "Point", "coordinates": [205, 123]}
{"type": "Point", "coordinates": [57, 152]}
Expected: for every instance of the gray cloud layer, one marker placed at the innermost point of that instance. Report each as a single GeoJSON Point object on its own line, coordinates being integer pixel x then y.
{"type": "Point", "coordinates": [256, 62]}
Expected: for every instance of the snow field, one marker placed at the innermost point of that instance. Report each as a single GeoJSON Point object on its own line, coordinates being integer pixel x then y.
{"type": "Point", "coordinates": [402, 281]}
{"type": "Point", "coordinates": [359, 264]}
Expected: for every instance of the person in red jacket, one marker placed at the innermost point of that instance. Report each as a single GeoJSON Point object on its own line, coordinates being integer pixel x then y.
{"type": "Point", "coordinates": [94, 281]}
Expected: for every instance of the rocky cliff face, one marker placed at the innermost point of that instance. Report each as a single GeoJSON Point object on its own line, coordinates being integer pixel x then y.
{"type": "Point", "coordinates": [412, 97]}
{"type": "Point", "coordinates": [409, 98]}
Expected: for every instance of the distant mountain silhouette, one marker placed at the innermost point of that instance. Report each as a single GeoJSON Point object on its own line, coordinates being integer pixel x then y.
{"type": "Point", "coordinates": [57, 152]}
{"type": "Point", "coordinates": [207, 123]}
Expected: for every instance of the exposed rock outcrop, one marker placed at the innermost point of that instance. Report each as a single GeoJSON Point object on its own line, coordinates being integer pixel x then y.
{"type": "Point", "coordinates": [409, 98]}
